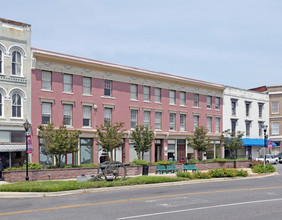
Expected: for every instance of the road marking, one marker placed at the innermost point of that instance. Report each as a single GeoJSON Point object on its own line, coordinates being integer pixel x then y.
{"type": "Point", "coordinates": [200, 208]}
{"type": "Point", "coordinates": [133, 199]}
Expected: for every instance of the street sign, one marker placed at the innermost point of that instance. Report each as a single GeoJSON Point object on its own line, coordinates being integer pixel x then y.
{"type": "Point", "coordinates": [269, 146]}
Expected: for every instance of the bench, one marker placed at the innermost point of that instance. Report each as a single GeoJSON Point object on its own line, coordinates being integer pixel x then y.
{"type": "Point", "coordinates": [172, 168]}
{"type": "Point", "coordinates": [161, 169]}
{"type": "Point", "coordinates": [190, 167]}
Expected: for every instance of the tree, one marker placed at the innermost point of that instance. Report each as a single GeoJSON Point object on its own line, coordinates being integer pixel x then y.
{"type": "Point", "coordinates": [232, 142]}
{"type": "Point", "coordinates": [58, 142]}
{"type": "Point", "coordinates": [110, 136]}
{"type": "Point", "coordinates": [142, 138]}
{"type": "Point", "coordinates": [199, 141]}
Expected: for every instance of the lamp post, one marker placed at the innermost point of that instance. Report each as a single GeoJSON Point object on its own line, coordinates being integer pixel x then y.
{"type": "Point", "coordinates": [265, 137]}
{"type": "Point", "coordinates": [26, 128]}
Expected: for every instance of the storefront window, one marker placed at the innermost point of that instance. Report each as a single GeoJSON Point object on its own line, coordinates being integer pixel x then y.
{"type": "Point", "coordinates": [86, 151]}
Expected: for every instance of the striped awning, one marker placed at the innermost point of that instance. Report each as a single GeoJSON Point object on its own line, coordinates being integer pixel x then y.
{"type": "Point", "coordinates": [12, 147]}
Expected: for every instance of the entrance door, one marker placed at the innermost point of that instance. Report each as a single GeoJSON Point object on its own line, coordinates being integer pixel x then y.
{"type": "Point", "coordinates": [181, 151]}
{"type": "Point", "coordinates": [158, 150]}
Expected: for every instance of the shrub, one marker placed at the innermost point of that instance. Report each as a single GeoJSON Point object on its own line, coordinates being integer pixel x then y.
{"type": "Point", "coordinates": [219, 173]}
{"type": "Point", "coordinates": [162, 162]}
{"type": "Point", "coordinates": [31, 166]}
{"type": "Point", "coordinates": [201, 175]}
{"type": "Point", "coordinates": [259, 168]}
{"type": "Point", "coordinates": [139, 162]}
{"type": "Point", "coordinates": [184, 174]}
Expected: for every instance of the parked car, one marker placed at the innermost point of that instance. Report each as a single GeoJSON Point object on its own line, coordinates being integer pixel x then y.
{"type": "Point", "coordinates": [269, 159]}
{"type": "Point", "coordinates": [279, 157]}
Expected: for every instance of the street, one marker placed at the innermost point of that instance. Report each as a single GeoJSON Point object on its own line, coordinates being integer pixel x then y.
{"type": "Point", "coordinates": [253, 198]}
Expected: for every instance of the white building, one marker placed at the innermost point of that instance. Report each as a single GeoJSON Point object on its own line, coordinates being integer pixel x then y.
{"type": "Point", "coordinates": [246, 111]}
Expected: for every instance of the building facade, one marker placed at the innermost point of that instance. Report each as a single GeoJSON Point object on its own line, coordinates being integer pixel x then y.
{"type": "Point", "coordinates": [15, 89]}
{"type": "Point", "coordinates": [86, 93]}
{"type": "Point", "coordinates": [246, 111]}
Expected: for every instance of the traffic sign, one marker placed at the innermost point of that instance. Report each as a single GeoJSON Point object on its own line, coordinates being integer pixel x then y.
{"type": "Point", "coordinates": [270, 145]}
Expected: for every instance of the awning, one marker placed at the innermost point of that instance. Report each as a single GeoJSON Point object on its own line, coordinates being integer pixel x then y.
{"type": "Point", "coordinates": [256, 142]}
{"type": "Point", "coordinates": [12, 147]}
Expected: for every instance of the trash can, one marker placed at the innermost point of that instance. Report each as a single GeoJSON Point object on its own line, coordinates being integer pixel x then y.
{"type": "Point", "coordinates": [145, 170]}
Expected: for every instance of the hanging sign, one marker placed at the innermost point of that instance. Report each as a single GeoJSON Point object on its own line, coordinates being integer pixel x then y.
{"type": "Point", "coordinates": [29, 147]}
{"type": "Point", "coordinates": [269, 146]}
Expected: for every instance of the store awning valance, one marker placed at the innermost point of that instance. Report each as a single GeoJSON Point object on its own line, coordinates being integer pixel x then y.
{"type": "Point", "coordinates": [12, 147]}
{"type": "Point", "coordinates": [256, 142]}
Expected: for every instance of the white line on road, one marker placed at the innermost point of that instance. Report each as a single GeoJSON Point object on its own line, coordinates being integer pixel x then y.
{"type": "Point", "coordinates": [200, 208]}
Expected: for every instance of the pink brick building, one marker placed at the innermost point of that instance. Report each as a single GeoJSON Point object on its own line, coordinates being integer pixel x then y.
{"type": "Point", "coordinates": [87, 92]}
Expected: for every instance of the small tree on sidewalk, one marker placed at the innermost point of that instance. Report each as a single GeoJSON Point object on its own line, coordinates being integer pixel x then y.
{"type": "Point", "coordinates": [142, 138]}
{"type": "Point", "coordinates": [110, 136]}
{"type": "Point", "coordinates": [232, 142]}
{"type": "Point", "coordinates": [199, 141]}
{"type": "Point", "coordinates": [58, 142]}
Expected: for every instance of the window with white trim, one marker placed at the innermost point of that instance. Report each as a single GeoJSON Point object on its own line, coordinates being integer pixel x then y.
{"type": "Point", "coordinates": [172, 100]}
{"type": "Point", "coordinates": [182, 97]}
{"type": "Point", "coordinates": [209, 102]}
{"type": "Point", "coordinates": [275, 128]}
{"type": "Point", "coordinates": [86, 116]}
{"type": "Point", "coordinates": [195, 122]}
{"type": "Point", "coordinates": [260, 108]}
{"type": "Point", "coordinates": [233, 126]}
{"type": "Point", "coordinates": [275, 107]}
{"type": "Point", "coordinates": [158, 97]}
{"type": "Point", "coordinates": [86, 84]}
{"type": "Point", "coordinates": [16, 63]}
{"type": "Point", "coordinates": [1, 105]}
{"type": "Point", "coordinates": [158, 120]}
{"type": "Point", "coordinates": [67, 114]}
{"type": "Point", "coordinates": [16, 106]}
{"type": "Point", "coordinates": [248, 128]}
{"type": "Point", "coordinates": [217, 125]}
{"type": "Point", "coordinates": [46, 80]}
{"type": "Point", "coordinates": [182, 122]}
{"type": "Point", "coordinates": [217, 103]}
{"type": "Point", "coordinates": [147, 116]}
{"type": "Point", "coordinates": [108, 88]}
{"type": "Point", "coordinates": [147, 94]}
{"type": "Point", "coordinates": [172, 121]}
{"type": "Point", "coordinates": [1, 61]}
{"type": "Point", "coordinates": [107, 115]}
{"type": "Point", "coordinates": [196, 100]}
{"type": "Point", "coordinates": [67, 83]}
{"type": "Point", "coordinates": [46, 112]}
{"type": "Point", "coordinates": [133, 118]}
{"type": "Point", "coordinates": [261, 123]}
{"type": "Point", "coordinates": [248, 106]}
{"type": "Point", "coordinates": [209, 124]}
{"type": "Point", "coordinates": [134, 92]}
{"type": "Point", "coordinates": [233, 106]}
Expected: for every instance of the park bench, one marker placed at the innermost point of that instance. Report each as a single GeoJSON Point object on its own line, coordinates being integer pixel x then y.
{"type": "Point", "coordinates": [172, 168]}
{"type": "Point", "coordinates": [190, 167]}
{"type": "Point", "coordinates": [161, 169]}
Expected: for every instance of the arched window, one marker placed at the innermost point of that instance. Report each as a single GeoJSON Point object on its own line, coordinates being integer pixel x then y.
{"type": "Point", "coordinates": [1, 61]}
{"type": "Point", "coordinates": [16, 106]}
{"type": "Point", "coordinates": [1, 105]}
{"type": "Point", "coordinates": [16, 63]}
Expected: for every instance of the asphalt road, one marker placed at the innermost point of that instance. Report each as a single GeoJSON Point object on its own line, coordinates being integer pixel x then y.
{"type": "Point", "coordinates": [259, 198]}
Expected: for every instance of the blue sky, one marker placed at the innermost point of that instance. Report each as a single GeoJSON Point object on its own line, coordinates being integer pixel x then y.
{"type": "Point", "coordinates": [231, 42]}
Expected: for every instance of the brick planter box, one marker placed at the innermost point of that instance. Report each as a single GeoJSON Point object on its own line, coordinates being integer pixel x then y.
{"type": "Point", "coordinates": [70, 173]}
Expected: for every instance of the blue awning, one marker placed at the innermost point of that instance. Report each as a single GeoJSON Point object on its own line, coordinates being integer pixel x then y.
{"type": "Point", "coordinates": [256, 142]}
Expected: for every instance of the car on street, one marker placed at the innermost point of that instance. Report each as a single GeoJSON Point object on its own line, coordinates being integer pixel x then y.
{"type": "Point", "coordinates": [279, 157]}
{"type": "Point", "coordinates": [269, 159]}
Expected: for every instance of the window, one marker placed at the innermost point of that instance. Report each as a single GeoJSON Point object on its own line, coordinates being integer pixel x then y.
{"type": "Point", "coordinates": [86, 116]}
{"type": "Point", "coordinates": [233, 106]}
{"type": "Point", "coordinates": [45, 159]}
{"type": "Point", "coordinates": [158, 120]}
{"type": "Point", "coordinates": [1, 105]}
{"type": "Point", "coordinates": [67, 81]}
{"type": "Point", "coordinates": [171, 97]}
{"type": "Point", "coordinates": [147, 95]}
{"type": "Point", "coordinates": [16, 106]}
{"type": "Point", "coordinates": [248, 105]}
{"type": "Point", "coordinates": [196, 100]}
{"type": "Point", "coordinates": [158, 95]}
{"type": "Point", "coordinates": [107, 115]}
{"type": "Point", "coordinates": [134, 92]}
{"type": "Point", "coordinates": [86, 151]}
{"type": "Point", "coordinates": [46, 112]}
{"type": "Point", "coordinates": [16, 63]}
{"type": "Point", "coordinates": [260, 106]}
{"type": "Point", "coordinates": [209, 124]}
{"type": "Point", "coordinates": [233, 126]}
{"type": "Point", "coordinates": [1, 61]}
{"type": "Point", "coordinates": [217, 103]}
{"type": "Point", "coordinates": [86, 86]}
{"type": "Point", "coordinates": [147, 115]}
{"type": "Point", "coordinates": [261, 123]}
{"type": "Point", "coordinates": [183, 98]}
{"type": "Point", "coordinates": [275, 107]}
{"type": "Point", "coordinates": [46, 81]}
{"type": "Point", "coordinates": [67, 114]}
{"type": "Point", "coordinates": [133, 118]}
{"type": "Point", "coordinates": [182, 122]}
{"type": "Point", "coordinates": [248, 128]}
{"type": "Point", "coordinates": [108, 88]}
{"type": "Point", "coordinates": [195, 122]}
{"type": "Point", "coordinates": [217, 125]}
{"type": "Point", "coordinates": [275, 128]}
{"type": "Point", "coordinates": [172, 121]}
{"type": "Point", "coordinates": [209, 102]}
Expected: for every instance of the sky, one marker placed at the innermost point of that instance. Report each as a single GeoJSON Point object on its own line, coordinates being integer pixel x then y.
{"type": "Point", "coordinates": [231, 42]}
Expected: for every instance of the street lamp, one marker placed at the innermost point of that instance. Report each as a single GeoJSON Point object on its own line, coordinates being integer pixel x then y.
{"type": "Point", "coordinates": [26, 128]}
{"type": "Point", "coordinates": [265, 137]}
